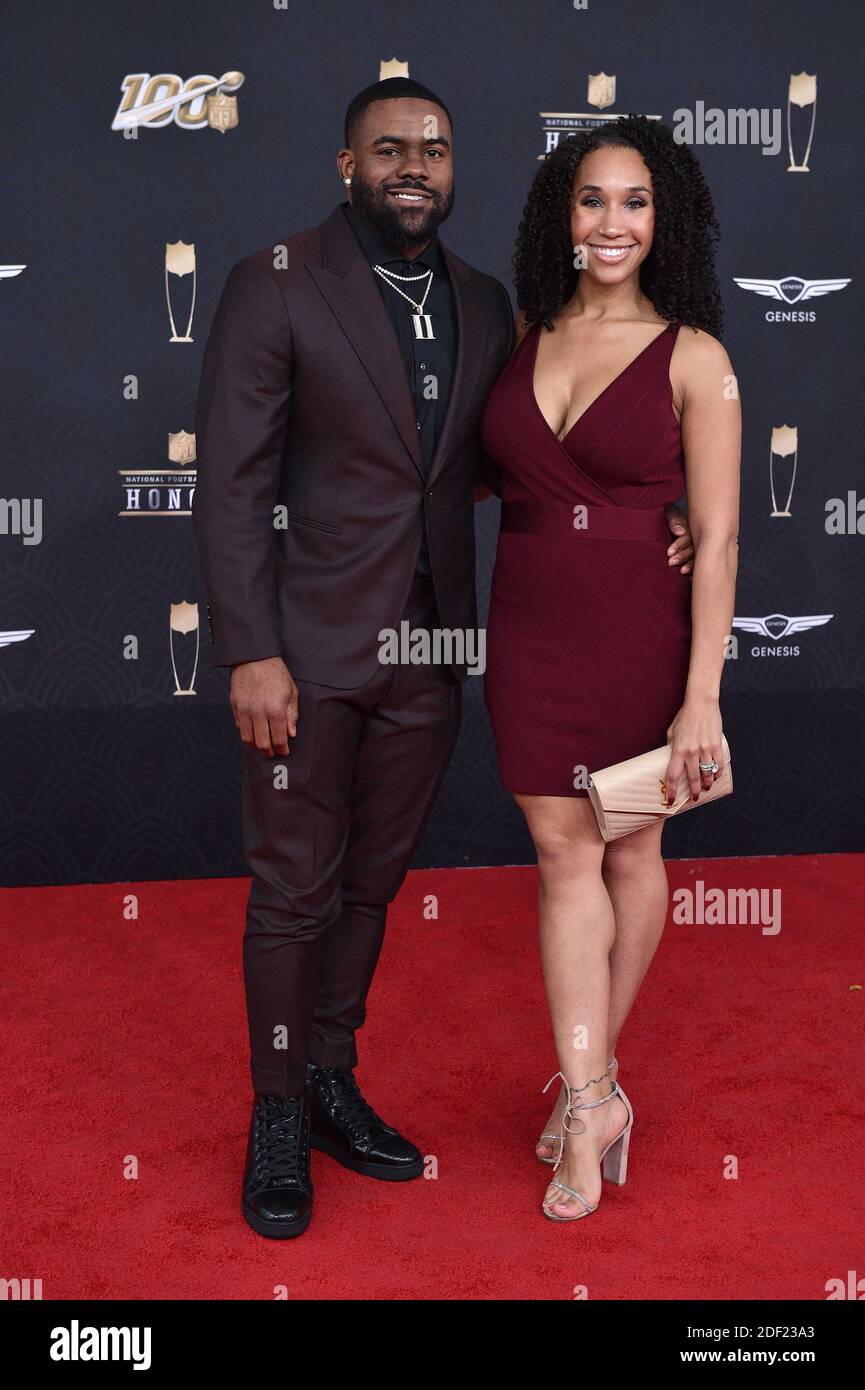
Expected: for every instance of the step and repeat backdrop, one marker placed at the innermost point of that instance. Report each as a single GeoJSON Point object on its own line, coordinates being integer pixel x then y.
{"type": "Point", "coordinates": [149, 147]}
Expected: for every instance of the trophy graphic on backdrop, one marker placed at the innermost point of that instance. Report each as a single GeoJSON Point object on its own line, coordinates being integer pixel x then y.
{"type": "Point", "coordinates": [392, 67]}
{"type": "Point", "coordinates": [801, 92]}
{"type": "Point", "coordinates": [184, 619]}
{"type": "Point", "coordinates": [179, 260]}
{"type": "Point", "coordinates": [784, 445]}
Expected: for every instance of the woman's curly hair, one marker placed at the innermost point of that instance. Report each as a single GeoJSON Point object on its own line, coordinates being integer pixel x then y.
{"type": "Point", "coordinates": [678, 275]}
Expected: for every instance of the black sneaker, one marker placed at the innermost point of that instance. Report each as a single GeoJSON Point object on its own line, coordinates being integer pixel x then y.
{"type": "Point", "coordinates": [346, 1127]}
{"type": "Point", "coordinates": [277, 1188]}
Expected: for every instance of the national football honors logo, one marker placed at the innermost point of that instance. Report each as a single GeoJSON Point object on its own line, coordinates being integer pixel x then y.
{"type": "Point", "coordinates": [163, 491]}
{"type": "Point", "coordinates": [559, 125]}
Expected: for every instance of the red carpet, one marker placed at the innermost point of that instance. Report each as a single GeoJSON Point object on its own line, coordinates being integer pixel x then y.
{"type": "Point", "coordinates": [129, 1038]}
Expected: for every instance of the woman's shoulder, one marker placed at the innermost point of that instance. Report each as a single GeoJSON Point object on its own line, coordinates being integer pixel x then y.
{"type": "Point", "coordinates": [699, 363]}
{"type": "Point", "coordinates": [697, 349]}
{"type": "Point", "coordinates": [696, 338]}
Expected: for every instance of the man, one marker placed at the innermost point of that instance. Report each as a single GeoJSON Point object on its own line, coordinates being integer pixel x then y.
{"type": "Point", "coordinates": [341, 392]}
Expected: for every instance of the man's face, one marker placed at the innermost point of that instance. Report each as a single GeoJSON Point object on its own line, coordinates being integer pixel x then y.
{"type": "Point", "coordinates": [401, 170]}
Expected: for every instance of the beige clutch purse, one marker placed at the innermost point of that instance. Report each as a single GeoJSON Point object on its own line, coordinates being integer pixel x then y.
{"type": "Point", "coordinates": [630, 795]}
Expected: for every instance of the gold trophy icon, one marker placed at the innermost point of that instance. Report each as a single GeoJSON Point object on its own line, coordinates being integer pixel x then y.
{"type": "Point", "coordinates": [183, 619]}
{"type": "Point", "coordinates": [802, 91]}
{"type": "Point", "coordinates": [179, 260]}
{"type": "Point", "coordinates": [392, 67]}
{"type": "Point", "coordinates": [784, 445]}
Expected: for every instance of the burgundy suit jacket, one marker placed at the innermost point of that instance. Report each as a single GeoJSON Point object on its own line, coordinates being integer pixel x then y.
{"type": "Point", "coordinates": [305, 418]}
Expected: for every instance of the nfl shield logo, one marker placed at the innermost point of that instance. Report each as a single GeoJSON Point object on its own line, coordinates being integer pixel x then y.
{"type": "Point", "coordinates": [222, 112]}
{"type": "Point", "coordinates": [181, 447]}
{"type": "Point", "coordinates": [602, 90]}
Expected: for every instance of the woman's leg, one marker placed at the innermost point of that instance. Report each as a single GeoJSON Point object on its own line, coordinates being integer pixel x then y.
{"type": "Point", "coordinates": [636, 881]}
{"type": "Point", "coordinates": [577, 931]}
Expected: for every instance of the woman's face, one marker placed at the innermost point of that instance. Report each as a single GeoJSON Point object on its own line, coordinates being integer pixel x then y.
{"type": "Point", "coordinates": [612, 214]}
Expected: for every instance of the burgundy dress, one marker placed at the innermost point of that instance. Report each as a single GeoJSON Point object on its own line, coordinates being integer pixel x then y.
{"type": "Point", "coordinates": [589, 628]}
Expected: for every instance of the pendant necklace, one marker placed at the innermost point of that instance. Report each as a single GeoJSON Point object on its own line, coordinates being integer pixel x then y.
{"type": "Point", "coordinates": [423, 327]}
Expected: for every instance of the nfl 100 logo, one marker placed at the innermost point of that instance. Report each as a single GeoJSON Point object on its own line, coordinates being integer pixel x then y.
{"type": "Point", "coordinates": [166, 99]}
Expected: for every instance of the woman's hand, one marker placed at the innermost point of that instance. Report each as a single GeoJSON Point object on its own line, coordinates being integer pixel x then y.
{"type": "Point", "coordinates": [695, 736]}
{"type": "Point", "coordinates": [681, 552]}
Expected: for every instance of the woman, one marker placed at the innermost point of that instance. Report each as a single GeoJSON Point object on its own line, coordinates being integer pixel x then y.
{"type": "Point", "coordinates": [617, 397]}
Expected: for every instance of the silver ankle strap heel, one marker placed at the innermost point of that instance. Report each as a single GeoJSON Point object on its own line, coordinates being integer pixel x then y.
{"type": "Point", "coordinates": [614, 1158]}
{"type": "Point", "coordinates": [557, 1138]}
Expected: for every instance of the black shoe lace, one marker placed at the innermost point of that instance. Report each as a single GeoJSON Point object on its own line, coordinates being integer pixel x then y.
{"type": "Point", "coordinates": [354, 1111]}
{"type": "Point", "coordinates": [278, 1139]}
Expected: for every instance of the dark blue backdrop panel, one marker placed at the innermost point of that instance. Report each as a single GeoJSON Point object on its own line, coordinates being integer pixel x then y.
{"type": "Point", "coordinates": [107, 774]}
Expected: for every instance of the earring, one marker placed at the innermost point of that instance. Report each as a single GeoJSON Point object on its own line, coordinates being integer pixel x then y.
{"type": "Point", "coordinates": [346, 180]}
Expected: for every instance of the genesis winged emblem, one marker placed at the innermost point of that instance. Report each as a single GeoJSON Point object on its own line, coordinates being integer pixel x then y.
{"type": "Point", "coordinates": [778, 625]}
{"type": "Point", "coordinates": [16, 635]}
{"type": "Point", "coordinates": [791, 289]}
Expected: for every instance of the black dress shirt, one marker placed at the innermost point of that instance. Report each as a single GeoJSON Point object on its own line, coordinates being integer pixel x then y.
{"type": "Point", "coordinates": [429, 362]}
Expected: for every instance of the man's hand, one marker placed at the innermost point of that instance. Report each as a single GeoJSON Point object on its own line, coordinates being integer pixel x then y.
{"type": "Point", "coordinates": [681, 552]}
{"type": "Point", "coordinates": [264, 701]}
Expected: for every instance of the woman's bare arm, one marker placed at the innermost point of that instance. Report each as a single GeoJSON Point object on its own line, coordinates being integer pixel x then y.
{"type": "Point", "coordinates": [711, 439]}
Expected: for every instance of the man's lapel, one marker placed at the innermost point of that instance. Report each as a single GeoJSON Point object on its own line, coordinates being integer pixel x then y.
{"type": "Point", "coordinates": [470, 342]}
{"type": "Point", "coordinates": [348, 284]}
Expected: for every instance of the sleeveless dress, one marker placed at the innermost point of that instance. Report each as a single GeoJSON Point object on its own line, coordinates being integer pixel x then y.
{"type": "Point", "coordinates": [589, 628]}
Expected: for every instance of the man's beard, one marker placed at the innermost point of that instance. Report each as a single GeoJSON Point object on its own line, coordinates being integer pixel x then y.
{"type": "Point", "coordinates": [375, 207]}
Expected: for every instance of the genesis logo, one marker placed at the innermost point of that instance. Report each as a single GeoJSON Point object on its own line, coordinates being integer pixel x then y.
{"type": "Point", "coordinates": [776, 627]}
{"type": "Point", "coordinates": [791, 289]}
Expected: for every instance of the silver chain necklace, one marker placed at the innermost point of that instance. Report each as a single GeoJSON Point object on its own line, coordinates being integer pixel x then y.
{"type": "Point", "coordinates": [427, 275]}
{"type": "Point", "coordinates": [421, 322]}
